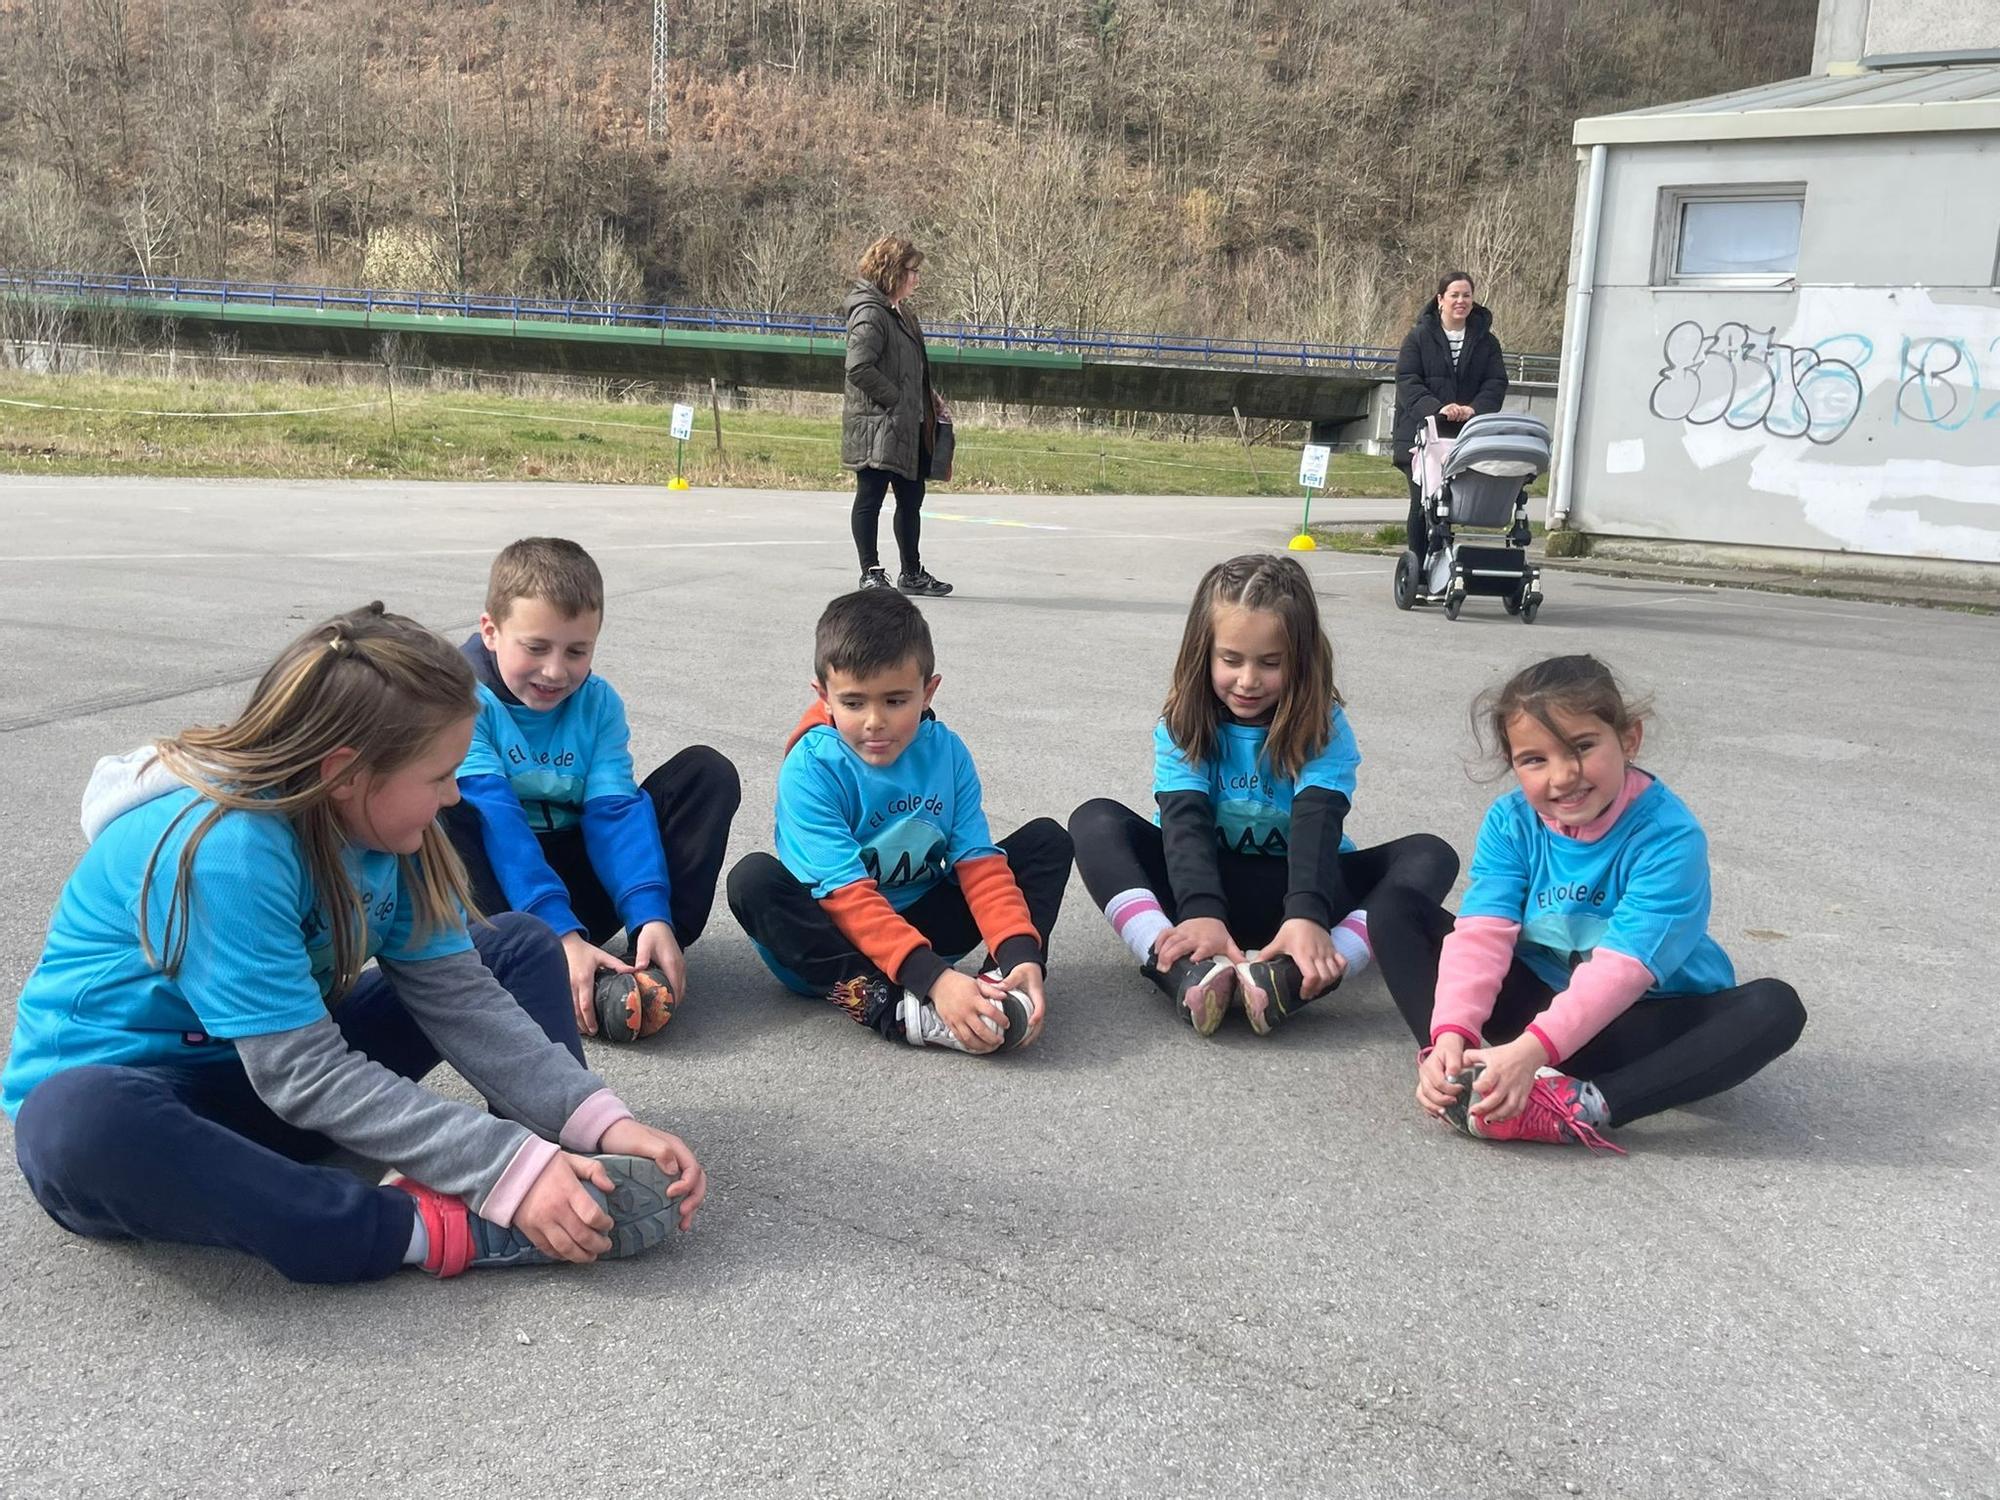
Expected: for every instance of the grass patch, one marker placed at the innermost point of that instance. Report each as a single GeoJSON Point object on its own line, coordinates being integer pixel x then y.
{"type": "Point", "coordinates": [462, 435]}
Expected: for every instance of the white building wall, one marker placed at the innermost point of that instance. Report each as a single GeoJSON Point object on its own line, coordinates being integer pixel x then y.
{"type": "Point", "coordinates": [1857, 411]}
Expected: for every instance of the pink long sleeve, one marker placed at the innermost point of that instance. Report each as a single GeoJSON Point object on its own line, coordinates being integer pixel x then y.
{"type": "Point", "coordinates": [1471, 965]}
{"type": "Point", "coordinates": [1603, 988]}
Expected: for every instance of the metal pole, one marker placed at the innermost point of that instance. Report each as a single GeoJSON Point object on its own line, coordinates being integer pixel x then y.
{"type": "Point", "coordinates": [656, 101]}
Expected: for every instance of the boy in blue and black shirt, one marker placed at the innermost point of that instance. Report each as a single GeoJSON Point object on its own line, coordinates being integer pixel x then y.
{"type": "Point", "coordinates": [886, 872]}
{"type": "Point", "coordinates": [553, 822]}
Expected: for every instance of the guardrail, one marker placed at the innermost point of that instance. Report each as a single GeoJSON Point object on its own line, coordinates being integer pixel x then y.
{"type": "Point", "coordinates": [1162, 348]}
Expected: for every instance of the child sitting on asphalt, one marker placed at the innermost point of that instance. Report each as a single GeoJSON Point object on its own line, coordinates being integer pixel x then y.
{"type": "Point", "coordinates": [886, 873]}
{"type": "Point", "coordinates": [199, 1028]}
{"type": "Point", "coordinates": [1254, 772]}
{"type": "Point", "coordinates": [1578, 989]}
{"type": "Point", "coordinates": [553, 823]}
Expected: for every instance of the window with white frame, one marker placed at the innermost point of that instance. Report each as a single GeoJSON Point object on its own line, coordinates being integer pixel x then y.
{"type": "Point", "coordinates": [1737, 236]}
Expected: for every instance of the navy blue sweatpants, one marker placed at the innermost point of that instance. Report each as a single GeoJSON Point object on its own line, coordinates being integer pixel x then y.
{"type": "Point", "coordinates": [192, 1155]}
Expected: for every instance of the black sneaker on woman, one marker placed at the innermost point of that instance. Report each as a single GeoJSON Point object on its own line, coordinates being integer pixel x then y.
{"type": "Point", "coordinates": [921, 582]}
{"type": "Point", "coordinates": [874, 578]}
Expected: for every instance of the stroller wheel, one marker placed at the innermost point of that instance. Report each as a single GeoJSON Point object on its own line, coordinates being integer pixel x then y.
{"type": "Point", "coordinates": [1406, 579]}
{"type": "Point", "coordinates": [1453, 604]}
{"type": "Point", "coordinates": [1513, 597]}
{"type": "Point", "coordinates": [1530, 607]}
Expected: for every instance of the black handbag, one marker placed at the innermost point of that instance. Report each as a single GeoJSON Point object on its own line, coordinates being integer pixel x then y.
{"type": "Point", "coordinates": [941, 452]}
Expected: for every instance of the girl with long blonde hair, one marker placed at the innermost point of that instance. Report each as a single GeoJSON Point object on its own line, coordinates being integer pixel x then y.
{"type": "Point", "coordinates": [199, 1028]}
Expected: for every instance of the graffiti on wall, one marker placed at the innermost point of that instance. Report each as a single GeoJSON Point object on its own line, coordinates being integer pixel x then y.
{"type": "Point", "coordinates": [1938, 384]}
{"type": "Point", "coordinates": [1745, 378]}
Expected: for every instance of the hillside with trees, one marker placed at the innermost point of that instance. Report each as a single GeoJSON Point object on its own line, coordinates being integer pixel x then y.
{"type": "Point", "coordinates": [1283, 167]}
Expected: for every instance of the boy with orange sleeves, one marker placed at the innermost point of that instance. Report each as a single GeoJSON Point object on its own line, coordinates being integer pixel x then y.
{"type": "Point", "coordinates": [886, 873]}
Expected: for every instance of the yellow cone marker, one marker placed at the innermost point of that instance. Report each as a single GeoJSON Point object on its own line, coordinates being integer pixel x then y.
{"type": "Point", "coordinates": [1303, 543]}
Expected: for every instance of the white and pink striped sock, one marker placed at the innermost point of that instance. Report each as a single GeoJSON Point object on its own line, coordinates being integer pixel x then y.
{"type": "Point", "coordinates": [1137, 919]}
{"type": "Point", "coordinates": [1350, 941]}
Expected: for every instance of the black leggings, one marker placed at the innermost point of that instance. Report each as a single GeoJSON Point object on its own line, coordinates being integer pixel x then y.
{"type": "Point", "coordinates": [794, 934]}
{"type": "Point", "coordinates": [1117, 850]}
{"type": "Point", "coordinates": [1418, 526]}
{"type": "Point", "coordinates": [870, 485]}
{"type": "Point", "coordinates": [1658, 1055]}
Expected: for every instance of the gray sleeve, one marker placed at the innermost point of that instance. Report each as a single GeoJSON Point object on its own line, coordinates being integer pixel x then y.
{"type": "Point", "coordinates": [311, 1078]}
{"type": "Point", "coordinates": [496, 1047]}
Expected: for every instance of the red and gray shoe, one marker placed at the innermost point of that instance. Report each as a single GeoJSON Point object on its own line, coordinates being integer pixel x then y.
{"type": "Point", "coordinates": [631, 1006]}
{"type": "Point", "coordinates": [1201, 988]}
{"type": "Point", "coordinates": [642, 1215]}
{"type": "Point", "coordinates": [1553, 1114]}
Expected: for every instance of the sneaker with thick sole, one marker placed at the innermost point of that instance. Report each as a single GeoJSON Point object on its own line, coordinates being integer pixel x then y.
{"type": "Point", "coordinates": [642, 1216]}
{"type": "Point", "coordinates": [1200, 988]}
{"type": "Point", "coordinates": [874, 578]}
{"type": "Point", "coordinates": [1271, 991]}
{"type": "Point", "coordinates": [631, 1006]}
{"type": "Point", "coordinates": [1552, 1114]}
{"type": "Point", "coordinates": [921, 583]}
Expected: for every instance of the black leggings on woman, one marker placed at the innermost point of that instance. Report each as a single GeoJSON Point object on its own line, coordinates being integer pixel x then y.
{"type": "Point", "coordinates": [1419, 526]}
{"type": "Point", "coordinates": [870, 485]}
{"type": "Point", "coordinates": [1118, 851]}
{"type": "Point", "coordinates": [1657, 1055]}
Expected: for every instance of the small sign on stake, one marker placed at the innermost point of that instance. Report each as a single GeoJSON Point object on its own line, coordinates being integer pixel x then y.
{"type": "Point", "coordinates": [1312, 476]}
{"type": "Point", "coordinates": [682, 429]}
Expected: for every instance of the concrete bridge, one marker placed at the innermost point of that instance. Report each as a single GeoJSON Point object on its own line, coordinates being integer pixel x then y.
{"type": "Point", "coordinates": [1345, 392]}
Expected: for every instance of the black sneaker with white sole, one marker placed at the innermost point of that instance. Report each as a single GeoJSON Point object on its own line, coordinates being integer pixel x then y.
{"type": "Point", "coordinates": [874, 578]}
{"type": "Point", "coordinates": [921, 583]}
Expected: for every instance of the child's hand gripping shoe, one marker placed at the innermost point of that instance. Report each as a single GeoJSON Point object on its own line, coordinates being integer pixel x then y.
{"type": "Point", "coordinates": [924, 1027]}
{"type": "Point", "coordinates": [631, 1006]}
{"type": "Point", "coordinates": [1199, 987]}
{"type": "Point", "coordinates": [642, 1215]}
{"type": "Point", "coordinates": [1554, 1114]}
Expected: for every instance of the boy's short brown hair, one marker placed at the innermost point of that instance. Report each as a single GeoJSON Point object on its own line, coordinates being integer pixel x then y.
{"type": "Point", "coordinates": [557, 572]}
{"type": "Point", "coordinates": [871, 631]}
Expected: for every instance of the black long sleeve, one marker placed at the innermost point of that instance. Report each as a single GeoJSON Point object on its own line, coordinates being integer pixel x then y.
{"type": "Point", "coordinates": [1187, 830]}
{"type": "Point", "coordinates": [1491, 392]}
{"type": "Point", "coordinates": [1413, 390]}
{"type": "Point", "coordinates": [1316, 889]}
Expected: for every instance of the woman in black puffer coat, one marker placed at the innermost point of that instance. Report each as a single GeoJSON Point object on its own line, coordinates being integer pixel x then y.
{"type": "Point", "coordinates": [1450, 367]}
{"type": "Point", "coordinates": [889, 415]}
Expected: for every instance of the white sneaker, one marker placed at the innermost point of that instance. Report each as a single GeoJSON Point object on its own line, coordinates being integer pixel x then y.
{"type": "Point", "coordinates": [923, 1026]}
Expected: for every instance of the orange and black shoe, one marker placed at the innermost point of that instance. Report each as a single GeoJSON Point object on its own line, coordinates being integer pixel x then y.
{"type": "Point", "coordinates": [631, 1006]}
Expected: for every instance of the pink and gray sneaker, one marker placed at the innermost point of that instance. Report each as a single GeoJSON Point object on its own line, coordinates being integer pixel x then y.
{"type": "Point", "coordinates": [1553, 1114]}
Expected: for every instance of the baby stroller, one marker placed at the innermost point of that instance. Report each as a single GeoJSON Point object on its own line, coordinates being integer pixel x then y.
{"type": "Point", "coordinates": [1477, 481]}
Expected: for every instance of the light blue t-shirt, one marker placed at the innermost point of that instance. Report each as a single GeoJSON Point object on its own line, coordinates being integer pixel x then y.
{"type": "Point", "coordinates": [1253, 803]}
{"type": "Point", "coordinates": [558, 759]}
{"type": "Point", "coordinates": [259, 956]}
{"type": "Point", "coordinates": [904, 825]}
{"type": "Point", "coordinates": [1641, 890]}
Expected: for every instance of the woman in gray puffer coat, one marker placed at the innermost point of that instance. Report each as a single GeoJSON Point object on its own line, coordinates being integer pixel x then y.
{"type": "Point", "coordinates": [888, 420]}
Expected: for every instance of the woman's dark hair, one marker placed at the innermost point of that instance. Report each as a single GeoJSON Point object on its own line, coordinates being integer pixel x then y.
{"type": "Point", "coordinates": [1445, 281]}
